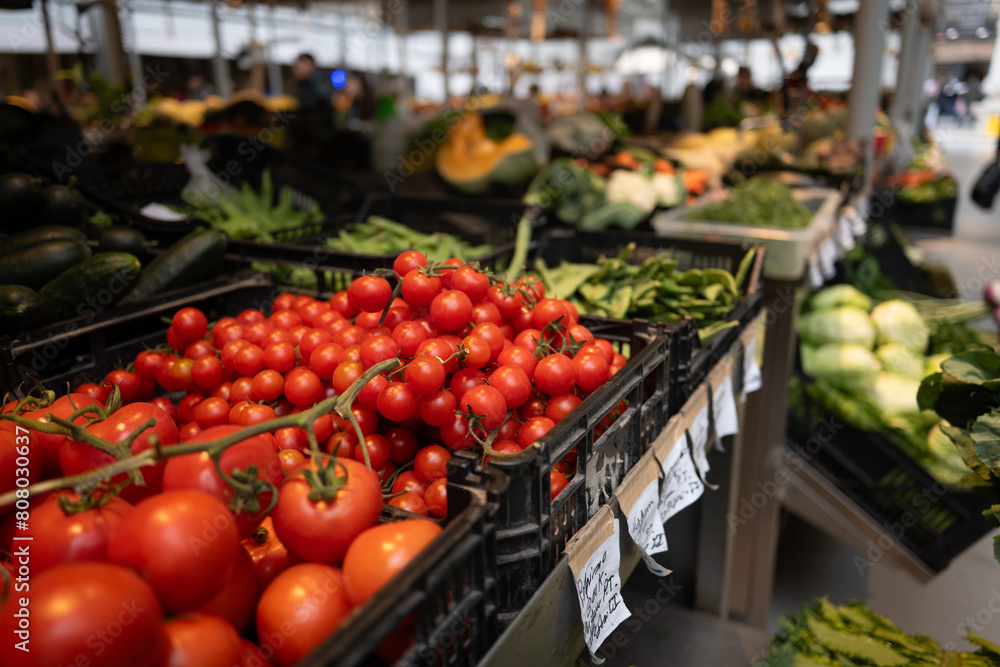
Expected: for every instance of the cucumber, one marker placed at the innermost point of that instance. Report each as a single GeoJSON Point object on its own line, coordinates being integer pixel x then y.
{"type": "Point", "coordinates": [194, 258]}
{"type": "Point", "coordinates": [37, 264]}
{"type": "Point", "coordinates": [20, 309]}
{"type": "Point", "coordinates": [120, 239]}
{"type": "Point", "coordinates": [20, 199]}
{"type": "Point", "coordinates": [62, 205]}
{"type": "Point", "coordinates": [90, 286]}
{"type": "Point", "coordinates": [31, 237]}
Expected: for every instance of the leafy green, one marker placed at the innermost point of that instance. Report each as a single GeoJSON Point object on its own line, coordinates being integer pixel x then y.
{"type": "Point", "coordinates": [101, 219]}
{"type": "Point", "coordinates": [761, 202]}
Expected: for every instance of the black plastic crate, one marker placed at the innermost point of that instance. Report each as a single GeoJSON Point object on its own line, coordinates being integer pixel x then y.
{"type": "Point", "coordinates": [448, 590]}
{"type": "Point", "coordinates": [888, 485]}
{"type": "Point", "coordinates": [936, 215]}
{"type": "Point", "coordinates": [85, 348]}
{"type": "Point", "coordinates": [533, 528]}
{"type": "Point", "coordinates": [235, 160]}
{"type": "Point", "coordinates": [693, 360]}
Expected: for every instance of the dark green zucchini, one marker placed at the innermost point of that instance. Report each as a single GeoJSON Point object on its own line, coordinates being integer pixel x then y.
{"type": "Point", "coordinates": [91, 286]}
{"type": "Point", "coordinates": [20, 309]}
{"type": "Point", "coordinates": [20, 200]}
{"type": "Point", "coordinates": [119, 239]}
{"type": "Point", "coordinates": [37, 264]}
{"type": "Point", "coordinates": [193, 259]}
{"type": "Point", "coordinates": [37, 235]}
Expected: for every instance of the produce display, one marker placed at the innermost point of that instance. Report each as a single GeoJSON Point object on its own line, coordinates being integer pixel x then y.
{"type": "Point", "coordinates": [381, 236]}
{"type": "Point", "coordinates": [759, 202]}
{"type": "Point", "coordinates": [51, 272]}
{"type": "Point", "coordinates": [471, 162]}
{"type": "Point", "coordinates": [867, 360]}
{"type": "Point", "coordinates": [654, 289]}
{"type": "Point", "coordinates": [286, 431]}
{"type": "Point", "coordinates": [248, 214]}
{"type": "Point", "coordinates": [926, 177]}
{"type": "Point", "coordinates": [823, 634]}
{"type": "Point", "coordinates": [620, 192]}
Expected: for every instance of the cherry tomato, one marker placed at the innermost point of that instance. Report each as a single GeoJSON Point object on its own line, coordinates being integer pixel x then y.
{"type": "Point", "coordinates": [555, 374]}
{"type": "Point", "coordinates": [407, 261]}
{"type": "Point", "coordinates": [410, 482]}
{"type": "Point", "coordinates": [202, 640]}
{"type": "Point", "coordinates": [513, 383]}
{"type": "Point", "coordinates": [431, 463]}
{"type": "Point", "coordinates": [450, 310]}
{"type": "Point", "coordinates": [557, 482]}
{"type": "Point", "coordinates": [369, 293]}
{"type": "Point", "coordinates": [533, 429]}
{"type": "Point", "coordinates": [410, 502]}
{"type": "Point", "coordinates": [436, 497]}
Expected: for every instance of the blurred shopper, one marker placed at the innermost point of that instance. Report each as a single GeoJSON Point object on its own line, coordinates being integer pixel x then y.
{"type": "Point", "coordinates": [313, 89]}
{"type": "Point", "coordinates": [312, 126]}
{"type": "Point", "coordinates": [198, 88]}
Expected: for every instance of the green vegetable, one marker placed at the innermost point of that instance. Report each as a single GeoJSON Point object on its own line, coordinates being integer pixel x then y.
{"type": "Point", "coordinates": [850, 366]}
{"type": "Point", "coordinates": [31, 237]}
{"type": "Point", "coordinates": [381, 236]}
{"type": "Point", "coordinates": [898, 359]}
{"type": "Point", "coordinates": [894, 394]}
{"type": "Point", "coordinates": [37, 264]}
{"type": "Point", "coordinates": [898, 322]}
{"type": "Point", "coordinates": [760, 202]}
{"type": "Point", "coordinates": [193, 259]}
{"type": "Point", "coordinates": [102, 280]}
{"type": "Point", "coordinates": [19, 309]}
{"type": "Point", "coordinates": [624, 215]}
{"type": "Point", "coordinates": [254, 215]}
{"type": "Point", "coordinates": [845, 325]}
{"type": "Point", "coordinates": [521, 244]}
{"type": "Point", "coordinates": [836, 296]}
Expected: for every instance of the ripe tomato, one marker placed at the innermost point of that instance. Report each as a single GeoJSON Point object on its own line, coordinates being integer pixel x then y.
{"type": "Point", "coordinates": [410, 502]}
{"type": "Point", "coordinates": [104, 614]}
{"type": "Point", "coordinates": [436, 497]}
{"type": "Point", "coordinates": [456, 433]}
{"type": "Point", "coordinates": [268, 385]}
{"type": "Point", "coordinates": [378, 451]}
{"type": "Point", "coordinates": [485, 312]}
{"type": "Point", "coordinates": [418, 289]}
{"type": "Point", "coordinates": [377, 348]}
{"type": "Point", "coordinates": [202, 640]}
{"type": "Point", "coordinates": [147, 362]}
{"type": "Point", "coordinates": [509, 305]}
{"type": "Point", "coordinates": [513, 383]}
{"type": "Point", "coordinates": [518, 355]}
{"type": "Point", "coordinates": [402, 444]}
{"type": "Point", "coordinates": [368, 396]}
{"type": "Point", "coordinates": [473, 283]}
{"type": "Point", "coordinates": [69, 538]}
{"type": "Point", "coordinates": [252, 655]}
{"type": "Point", "coordinates": [425, 375]}
{"type": "Point", "coordinates": [431, 463]}
{"type": "Point", "coordinates": [557, 482]}
{"type": "Point", "coordinates": [196, 472]}
{"type": "Point", "coordinates": [397, 402]}
{"type": "Point", "coordinates": [533, 429]}
{"type": "Point", "coordinates": [76, 457]}
{"type": "Point", "coordinates": [379, 553]}
{"type": "Point", "coordinates": [324, 360]}
{"type": "Point", "coordinates": [591, 371]}
{"type": "Point", "coordinates": [213, 411]}
{"type": "Point", "coordinates": [438, 408]}
{"type": "Point", "coordinates": [407, 261]}
{"type": "Point", "coordinates": [560, 406]}
{"type": "Point", "coordinates": [466, 379]}
{"type": "Point", "coordinates": [303, 388]}
{"type": "Point", "coordinates": [129, 384]}
{"type": "Point", "coordinates": [487, 402]}
{"type": "Point", "coordinates": [369, 293]}
{"type": "Point", "coordinates": [237, 601]}
{"type": "Point", "coordinates": [206, 372]}
{"type": "Point", "coordinates": [190, 324]}
{"type": "Point", "coordinates": [475, 351]}
{"type": "Point", "coordinates": [320, 530]}
{"type": "Point", "coordinates": [555, 374]}
{"type": "Point", "coordinates": [311, 594]}
{"type": "Point", "coordinates": [409, 481]}
{"type": "Point", "coordinates": [164, 536]}
{"type": "Point", "coordinates": [47, 444]}
{"type": "Point", "coordinates": [269, 556]}
{"type": "Point", "coordinates": [99, 394]}
{"type": "Point", "coordinates": [548, 310]}
{"type": "Point", "coordinates": [450, 310]}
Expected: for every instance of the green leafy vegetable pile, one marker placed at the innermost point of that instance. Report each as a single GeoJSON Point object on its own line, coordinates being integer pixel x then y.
{"type": "Point", "coordinates": [655, 290]}
{"type": "Point", "coordinates": [760, 202]}
{"type": "Point", "coordinates": [825, 635]}
{"type": "Point", "coordinates": [966, 394]}
{"type": "Point", "coordinates": [380, 236]}
{"type": "Point", "coordinates": [254, 215]}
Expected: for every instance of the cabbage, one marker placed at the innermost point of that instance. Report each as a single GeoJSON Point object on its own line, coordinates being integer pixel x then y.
{"type": "Point", "coordinates": [848, 366]}
{"type": "Point", "coordinates": [932, 364]}
{"type": "Point", "coordinates": [632, 187]}
{"type": "Point", "coordinates": [894, 394]}
{"type": "Point", "coordinates": [901, 360]}
{"type": "Point", "coordinates": [845, 325]}
{"type": "Point", "coordinates": [669, 189]}
{"type": "Point", "coordinates": [840, 295]}
{"type": "Point", "coordinates": [898, 322]}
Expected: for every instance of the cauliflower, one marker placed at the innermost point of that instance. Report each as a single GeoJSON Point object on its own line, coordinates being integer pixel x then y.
{"type": "Point", "coordinates": [836, 296]}
{"type": "Point", "coordinates": [632, 187]}
{"type": "Point", "coordinates": [898, 322]}
{"type": "Point", "coordinates": [669, 189]}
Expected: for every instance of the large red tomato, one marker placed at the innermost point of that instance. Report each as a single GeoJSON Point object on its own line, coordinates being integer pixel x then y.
{"type": "Point", "coordinates": [18, 461]}
{"type": "Point", "coordinates": [183, 542]}
{"type": "Point", "coordinates": [379, 553]}
{"type": "Point", "coordinates": [237, 600]}
{"type": "Point", "coordinates": [302, 607]}
{"type": "Point", "coordinates": [48, 444]}
{"type": "Point", "coordinates": [68, 538]}
{"type": "Point", "coordinates": [202, 640]}
{"type": "Point", "coordinates": [321, 530]}
{"type": "Point", "coordinates": [77, 457]}
{"type": "Point", "coordinates": [104, 614]}
{"type": "Point", "coordinates": [196, 472]}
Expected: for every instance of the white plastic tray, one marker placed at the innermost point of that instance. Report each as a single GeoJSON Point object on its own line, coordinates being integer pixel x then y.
{"type": "Point", "coordinates": [787, 250]}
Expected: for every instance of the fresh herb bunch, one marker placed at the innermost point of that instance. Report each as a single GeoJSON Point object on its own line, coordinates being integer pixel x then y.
{"type": "Point", "coordinates": [759, 202]}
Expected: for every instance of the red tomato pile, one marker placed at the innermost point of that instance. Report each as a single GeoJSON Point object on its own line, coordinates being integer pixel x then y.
{"type": "Point", "coordinates": [213, 576]}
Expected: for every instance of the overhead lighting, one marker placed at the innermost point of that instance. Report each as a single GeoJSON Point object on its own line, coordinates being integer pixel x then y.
{"type": "Point", "coordinates": [537, 30]}
{"type": "Point", "coordinates": [951, 33]}
{"type": "Point", "coordinates": [982, 32]}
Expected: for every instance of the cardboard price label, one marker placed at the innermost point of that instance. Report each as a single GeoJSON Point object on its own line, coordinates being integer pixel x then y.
{"type": "Point", "coordinates": [752, 377]}
{"type": "Point", "coordinates": [681, 484]}
{"type": "Point", "coordinates": [724, 399]}
{"type": "Point", "coordinates": [698, 424]}
{"type": "Point", "coordinates": [595, 559]}
{"type": "Point", "coordinates": [638, 496]}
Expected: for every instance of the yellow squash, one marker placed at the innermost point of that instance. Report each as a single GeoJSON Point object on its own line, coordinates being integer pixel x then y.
{"type": "Point", "coordinates": [470, 162]}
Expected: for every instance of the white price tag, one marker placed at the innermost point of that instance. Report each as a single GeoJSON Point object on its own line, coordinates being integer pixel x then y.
{"type": "Point", "coordinates": [752, 377]}
{"type": "Point", "coordinates": [646, 527]}
{"type": "Point", "coordinates": [598, 583]}
{"type": "Point", "coordinates": [845, 237]}
{"type": "Point", "coordinates": [681, 484]}
{"type": "Point", "coordinates": [724, 409]}
{"type": "Point", "coordinates": [828, 257]}
{"type": "Point", "coordinates": [815, 274]}
{"type": "Point", "coordinates": [699, 429]}
{"type": "Point", "coordinates": [858, 222]}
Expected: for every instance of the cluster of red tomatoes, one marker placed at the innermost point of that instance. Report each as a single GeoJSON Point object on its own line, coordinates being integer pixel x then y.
{"type": "Point", "coordinates": [481, 364]}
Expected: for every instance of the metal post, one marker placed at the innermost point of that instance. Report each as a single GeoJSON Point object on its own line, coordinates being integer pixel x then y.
{"type": "Point", "coordinates": [911, 64]}
{"type": "Point", "coordinates": [223, 85]}
{"type": "Point", "coordinates": [863, 98]}
{"type": "Point", "coordinates": [273, 66]}
{"type": "Point", "coordinates": [667, 47]}
{"type": "Point", "coordinates": [441, 23]}
{"type": "Point", "coordinates": [134, 59]}
{"type": "Point", "coordinates": [925, 37]}
{"type": "Point", "coordinates": [403, 32]}
{"type": "Point", "coordinates": [582, 57]}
